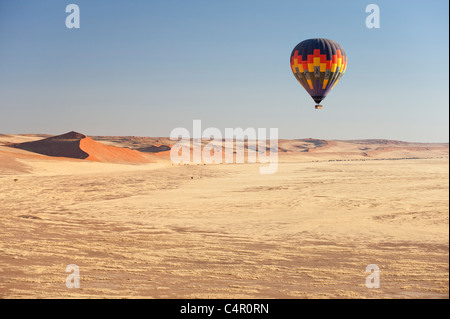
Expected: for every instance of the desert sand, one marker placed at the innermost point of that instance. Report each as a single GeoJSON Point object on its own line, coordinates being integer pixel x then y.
{"type": "Point", "coordinates": [151, 229]}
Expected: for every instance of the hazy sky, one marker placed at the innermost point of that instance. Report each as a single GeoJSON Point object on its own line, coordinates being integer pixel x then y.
{"type": "Point", "coordinates": [145, 67]}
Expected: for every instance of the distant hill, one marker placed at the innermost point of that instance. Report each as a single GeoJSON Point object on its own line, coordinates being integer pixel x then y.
{"type": "Point", "coordinates": [136, 149]}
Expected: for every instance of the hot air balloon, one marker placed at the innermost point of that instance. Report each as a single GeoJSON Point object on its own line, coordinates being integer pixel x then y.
{"type": "Point", "coordinates": [318, 64]}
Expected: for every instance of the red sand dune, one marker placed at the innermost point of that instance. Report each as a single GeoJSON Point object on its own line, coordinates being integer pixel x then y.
{"type": "Point", "coordinates": [76, 145]}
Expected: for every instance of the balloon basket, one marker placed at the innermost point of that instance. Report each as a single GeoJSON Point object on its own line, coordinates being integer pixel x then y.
{"type": "Point", "coordinates": [318, 107]}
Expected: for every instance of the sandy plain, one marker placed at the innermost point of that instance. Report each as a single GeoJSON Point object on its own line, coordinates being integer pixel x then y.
{"type": "Point", "coordinates": [159, 230]}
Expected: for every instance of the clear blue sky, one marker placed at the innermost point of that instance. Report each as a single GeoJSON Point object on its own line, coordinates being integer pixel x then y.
{"type": "Point", "coordinates": [145, 67]}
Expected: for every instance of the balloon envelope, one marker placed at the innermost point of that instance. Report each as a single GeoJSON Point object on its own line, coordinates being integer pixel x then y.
{"type": "Point", "coordinates": [318, 64]}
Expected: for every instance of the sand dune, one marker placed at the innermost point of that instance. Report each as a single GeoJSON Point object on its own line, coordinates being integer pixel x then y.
{"type": "Point", "coordinates": [10, 165]}
{"type": "Point", "coordinates": [110, 154]}
{"type": "Point", "coordinates": [79, 146]}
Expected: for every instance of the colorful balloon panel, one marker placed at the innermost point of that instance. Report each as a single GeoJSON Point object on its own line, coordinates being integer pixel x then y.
{"type": "Point", "coordinates": [318, 64]}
